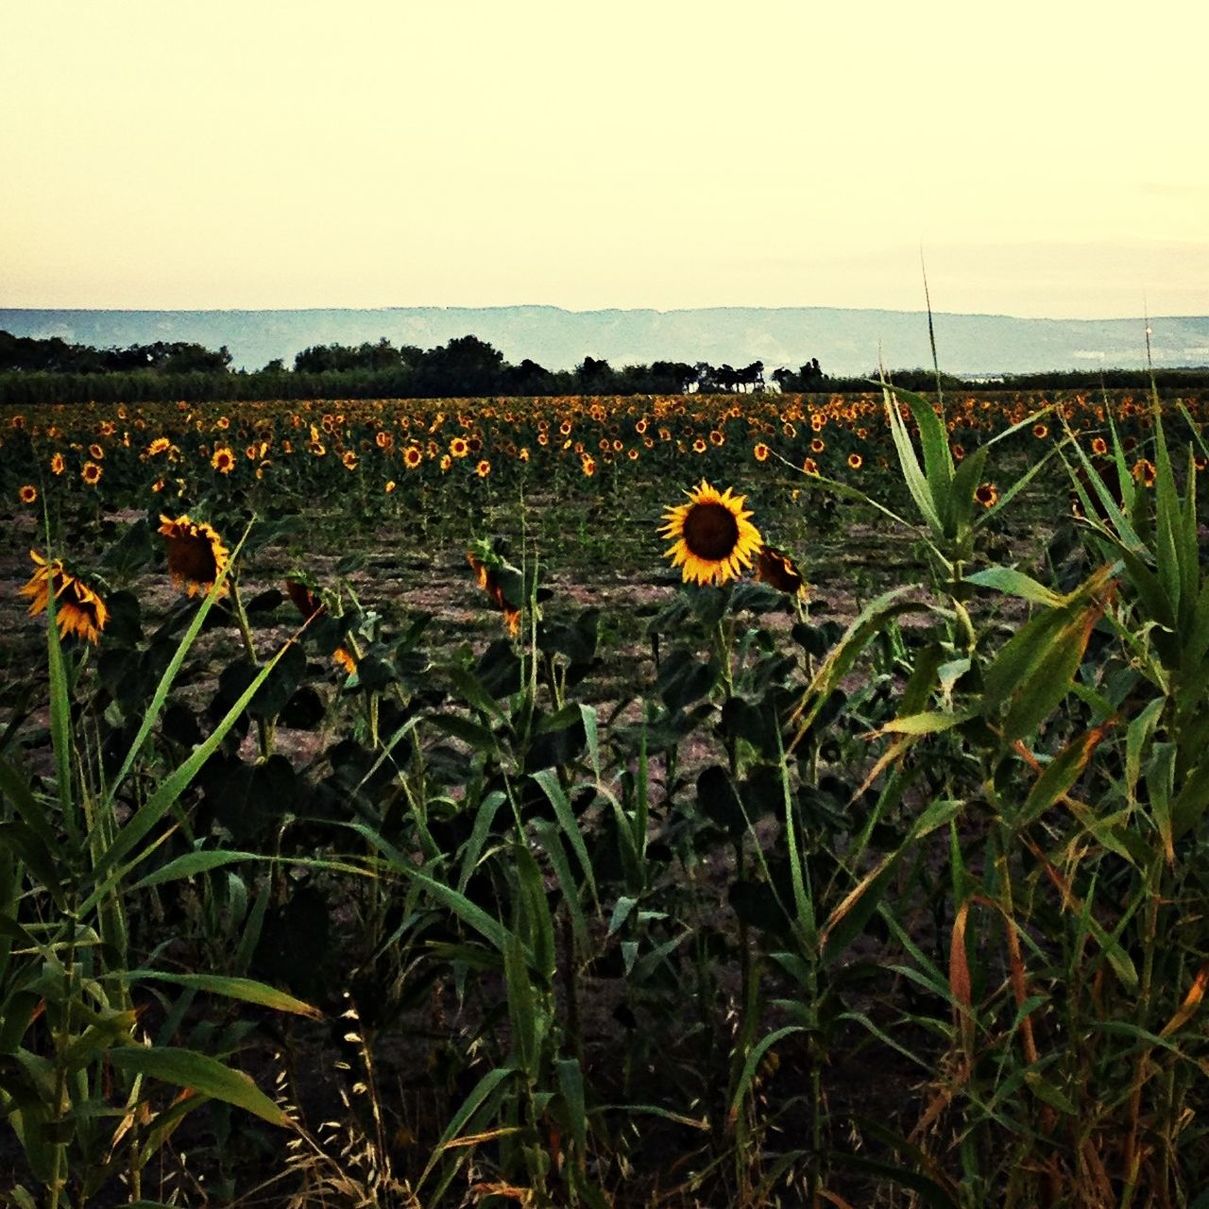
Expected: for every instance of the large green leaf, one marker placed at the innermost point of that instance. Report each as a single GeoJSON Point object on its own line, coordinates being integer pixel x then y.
{"type": "Point", "coordinates": [208, 1076]}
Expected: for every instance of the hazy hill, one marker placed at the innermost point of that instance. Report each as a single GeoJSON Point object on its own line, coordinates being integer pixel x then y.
{"type": "Point", "coordinates": [844, 341]}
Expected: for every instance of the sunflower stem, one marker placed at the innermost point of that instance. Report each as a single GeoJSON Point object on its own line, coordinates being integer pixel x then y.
{"type": "Point", "coordinates": [264, 728]}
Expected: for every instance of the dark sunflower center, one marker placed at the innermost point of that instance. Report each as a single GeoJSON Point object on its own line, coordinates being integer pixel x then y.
{"type": "Point", "coordinates": [192, 558]}
{"type": "Point", "coordinates": [711, 531]}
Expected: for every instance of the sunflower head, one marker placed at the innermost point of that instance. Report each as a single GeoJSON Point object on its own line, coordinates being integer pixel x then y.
{"type": "Point", "coordinates": [775, 568]}
{"type": "Point", "coordinates": [987, 494]}
{"type": "Point", "coordinates": [712, 535]}
{"type": "Point", "coordinates": [196, 554]}
{"type": "Point", "coordinates": [79, 609]}
{"type": "Point", "coordinates": [28, 493]}
{"type": "Point", "coordinates": [502, 582]}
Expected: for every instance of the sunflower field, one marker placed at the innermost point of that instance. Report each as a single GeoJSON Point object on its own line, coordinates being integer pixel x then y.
{"type": "Point", "coordinates": [650, 801]}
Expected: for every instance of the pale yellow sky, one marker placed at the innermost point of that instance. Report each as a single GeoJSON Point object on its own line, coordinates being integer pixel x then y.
{"type": "Point", "coordinates": [1051, 158]}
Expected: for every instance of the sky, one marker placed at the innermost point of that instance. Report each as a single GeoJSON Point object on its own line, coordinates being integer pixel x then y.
{"type": "Point", "coordinates": [1044, 159]}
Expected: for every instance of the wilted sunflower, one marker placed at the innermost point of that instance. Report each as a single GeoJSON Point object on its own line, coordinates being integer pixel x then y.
{"type": "Point", "coordinates": [78, 608]}
{"type": "Point", "coordinates": [501, 582]}
{"type": "Point", "coordinates": [775, 568]}
{"type": "Point", "coordinates": [1144, 472]}
{"type": "Point", "coordinates": [196, 555]}
{"type": "Point", "coordinates": [713, 538]}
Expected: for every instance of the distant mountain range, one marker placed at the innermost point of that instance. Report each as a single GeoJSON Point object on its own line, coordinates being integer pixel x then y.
{"type": "Point", "coordinates": [844, 341]}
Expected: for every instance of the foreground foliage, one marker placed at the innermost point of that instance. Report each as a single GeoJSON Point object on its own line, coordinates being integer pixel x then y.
{"type": "Point", "coordinates": [906, 911]}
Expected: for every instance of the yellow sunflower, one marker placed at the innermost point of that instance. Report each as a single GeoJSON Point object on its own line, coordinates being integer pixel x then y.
{"type": "Point", "coordinates": [987, 494]}
{"type": "Point", "coordinates": [223, 459]}
{"type": "Point", "coordinates": [28, 493]}
{"type": "Point", "coordinates": [412, 457]}
{"type": "Point", "coordinates": [78, 608]}
{"type": "Point", "coordinates": [196, 555]}
{"type": "Point", "coordinates": [58, 464]}
{"type": "Point", "coordinates": [713, 538]}
{"type": "Point", "coordinates": [91, 473]}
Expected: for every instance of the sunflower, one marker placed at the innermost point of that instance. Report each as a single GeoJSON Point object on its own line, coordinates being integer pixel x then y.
{"type": "Point", "coordinates": [1040, 431]}
{"type": "Point", "coordinates": [483, 469]}
{"type": "Point", "coordinates": [713, 537]}
{"type": "Point", "coordinates": [412, 457]}
{"type": "Point", "coordinates": [459, 447]}
{"type": "Point", "coordinates": [588, 466]}
{"type": "Point", "coordinates": [158, 446]}
{"type": "Point", "coordinates": [390, 487]}
{"type": "Point", "coordinates": [699, 445]}
{"type": "Point", "coordinates": [78, 608]}
{"type": "Point", "coordinates": [196, 555]}
{"type": "Point", "coordinates": [761, 452]}
{"type": "Point", "coordinates": [349, 458]}
{"type": "Point", "coordinates": [987, 494]}
{"type": "Point", "coordinates": [28, 493]}
{"type": "Point", "coordinates": [855, 461]}
{"type": "Point", "coordinates": [1099, 446]}
{"type": "Point", "coordinates": [96, 452]}
{"type": "Point", "coordinates": [810, 466]}
{"type": "Point", "coordinates": [91, 473]}
{"type": "Point", "coordinates": [775, 568]}
{"type": "Point", "coordinates": [1143, 472]}
{"type": "Point", "coordinates": [223, 459]}
{"type": "Point", "coordinates": [818, 445]}
{"type": "Point", "coordinates": [501, 581]}
{"type": "Point", "coordinates": [58, 464]}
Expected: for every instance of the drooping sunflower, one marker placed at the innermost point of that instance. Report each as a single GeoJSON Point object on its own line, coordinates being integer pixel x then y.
{"type": "Point", "coordinates": [775, 568]}
{"type": "Point", "coordinates": [1143, 472]}
{"type": "Point", "coordinates": [196, 554]}
{"type": "Point", "coordinates": [78, 608]}
{"type": "Point", "coordinates": [713, 537]}
{"type": "Point", "coordinates": [500, 580]}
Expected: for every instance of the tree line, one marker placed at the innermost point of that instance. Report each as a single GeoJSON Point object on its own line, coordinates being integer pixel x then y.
{"type": "Point", "coordinates": [54, 371]}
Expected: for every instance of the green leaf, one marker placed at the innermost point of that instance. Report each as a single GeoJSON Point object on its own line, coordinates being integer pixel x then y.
{"type": "Point", "coordinates": [1015, 583]}
{"type": "Point", "coordinates": [208, 1076]}
{"type": "Point", "coordinates": [246, 990]}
